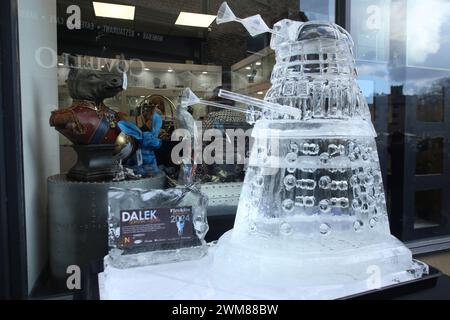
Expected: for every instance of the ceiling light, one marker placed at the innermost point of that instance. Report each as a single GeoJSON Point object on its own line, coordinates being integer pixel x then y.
{"type": "Point", "coordinates": [170, 70]}
{"type": "Point", "coordinates": [248, 68]}
{"type": "Point", "coordinates": [259, 63]}
{"type": "Point", "coordinates": [249, 75]}
{"type": "Point", "coordinates": [195, 19]}
{"type": "Point", "coordinates": [260, 93]}
{"type": "Point", "coordinates": [146, 69]}
{"type": "Point", "coordinates": [61, 64]}
{"type": "Point", "coordinates": [116, 11]}
{"type": "Point", "coordinates": [205, 72]}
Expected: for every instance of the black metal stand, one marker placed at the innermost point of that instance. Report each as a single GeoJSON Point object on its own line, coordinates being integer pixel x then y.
{"type": "Point", "coordinates": [78, 220]}
{"type": "Point", "coordinates": [400, 290]}
{"type": "Point", "coordinates": [95, 163]}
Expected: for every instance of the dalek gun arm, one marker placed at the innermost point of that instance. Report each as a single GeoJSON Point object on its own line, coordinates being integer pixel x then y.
{"type": "Point", "coordinates": [189, 98]}
{"type": "Point", "coordinates": [261, 104]}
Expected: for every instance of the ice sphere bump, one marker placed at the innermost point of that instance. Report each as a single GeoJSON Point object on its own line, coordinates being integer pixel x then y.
{"type": "Point", "coordinates": [324, 228]}
{"type": "Point", "coordinates": [285, 228]}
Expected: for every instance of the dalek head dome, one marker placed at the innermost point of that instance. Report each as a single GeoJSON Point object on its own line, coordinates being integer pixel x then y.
{"type": "Point", "coordinates": [315, 47]}
{"type": "Point", "coordinates": [321, 47]}
{"type": "Point", "coordinates": [324, 30]}
{"type": "Point", "coordinates": [288, 32]}
{"type": "Point", "coordinates": [314, 76]}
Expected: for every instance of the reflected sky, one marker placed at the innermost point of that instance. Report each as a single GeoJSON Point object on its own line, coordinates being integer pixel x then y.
{"type": "Point", "coordinates": [401, 45]}
{"type": "Point", "coordinates": [428, 33]}
{"type": "Point", "coordinates": [318, 9]}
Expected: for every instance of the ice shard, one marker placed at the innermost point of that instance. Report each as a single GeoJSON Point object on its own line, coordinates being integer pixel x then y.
{"type": "Point", "coordinates": [255, 25]}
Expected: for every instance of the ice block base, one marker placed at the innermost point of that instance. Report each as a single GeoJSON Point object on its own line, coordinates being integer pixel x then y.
{"type": "Point", "coordinates": [121, 261]}
{"type": "Point", "coordinates": [218, 277]}
{"type": "Point", "coordinates": [259, 267]}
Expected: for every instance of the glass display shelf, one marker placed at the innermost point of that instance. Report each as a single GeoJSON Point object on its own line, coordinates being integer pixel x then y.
{"type": "Point", "coordinates": [146, 78]}
{"type": "Point", "coordinates": [252, 74]}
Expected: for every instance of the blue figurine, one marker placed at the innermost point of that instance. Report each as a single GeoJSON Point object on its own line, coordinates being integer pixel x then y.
{"type": "Point", "coordinates": [143, 162]}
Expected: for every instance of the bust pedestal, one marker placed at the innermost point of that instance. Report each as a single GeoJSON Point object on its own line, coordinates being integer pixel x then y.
{"type": "Point", "coordinates": [95, 163]}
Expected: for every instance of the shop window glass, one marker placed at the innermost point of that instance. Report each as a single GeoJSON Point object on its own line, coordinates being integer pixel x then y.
{"type": "Point", "coordinates": [75, 47]}
{"type": "Point", "coordinates": [401, 49]}
{"type": "Point", "coordinates": [428, 211]}
{"type": "Point", "coordinates": [429, 156]}
{"type": "Point", "coordinates": [406, 83]}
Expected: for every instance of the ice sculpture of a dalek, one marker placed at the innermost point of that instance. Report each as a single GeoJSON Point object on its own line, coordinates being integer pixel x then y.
{"type": "Point", "coordinates": [312, 219]}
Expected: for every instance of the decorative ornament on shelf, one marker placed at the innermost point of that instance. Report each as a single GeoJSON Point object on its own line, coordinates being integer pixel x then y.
{"type": "Point", "coordinates": [90, 125]}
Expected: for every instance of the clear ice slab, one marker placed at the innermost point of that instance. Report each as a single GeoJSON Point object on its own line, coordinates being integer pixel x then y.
{"type": "Point", "coordinates": [312, 214]}
{"type": "Point", "coordinates": [255, 25]}
{"type": "Point", "coordinates": [143, 226]}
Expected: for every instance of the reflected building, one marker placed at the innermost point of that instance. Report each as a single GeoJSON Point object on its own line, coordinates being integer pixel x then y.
{"type": "Point", "coordinates": [412, 131]}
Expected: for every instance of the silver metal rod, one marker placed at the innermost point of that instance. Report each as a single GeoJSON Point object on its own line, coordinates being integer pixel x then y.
{"type": "Point", "coordinates": [260, 103]}
{"type": "Point", "coordinates": [223, 106]}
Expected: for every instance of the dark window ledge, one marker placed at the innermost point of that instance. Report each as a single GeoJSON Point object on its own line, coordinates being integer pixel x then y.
{"type": "Point", "coordinates": [429, 245]}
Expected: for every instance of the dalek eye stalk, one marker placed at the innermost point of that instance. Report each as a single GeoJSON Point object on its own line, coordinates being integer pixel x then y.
{"type": "Point", "coordinates": [312, 218]}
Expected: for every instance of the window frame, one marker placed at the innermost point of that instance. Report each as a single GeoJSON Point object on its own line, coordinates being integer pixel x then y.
{"type": "Point", "coordinates": [405, 183]}
{"type": "Point", "coordinates": [13, 254]}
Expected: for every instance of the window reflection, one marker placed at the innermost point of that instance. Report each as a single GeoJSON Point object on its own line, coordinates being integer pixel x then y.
{"type": "Point", "coordinates": [430, 105]}
{"type": "Point", "coordinates": [323, 10]}
{"type": "Point", "coordinates": [428, 206]}
{"type": "Point", "coordinates": [370, 28]}
{"type": "Point", "coordinates": [429, 155]}
{"type": "Point", "coordinates": [401, 49]}
{"type": "Point", "coordinates": [428, 21]}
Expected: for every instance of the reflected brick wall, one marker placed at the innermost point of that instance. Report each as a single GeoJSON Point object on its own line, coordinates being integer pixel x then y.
{"type": "Point", "coordinates": [220, 45]}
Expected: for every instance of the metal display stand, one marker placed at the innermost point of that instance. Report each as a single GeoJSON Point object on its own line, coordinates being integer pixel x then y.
{"type": "Point", "coordinates": [77, 220]}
